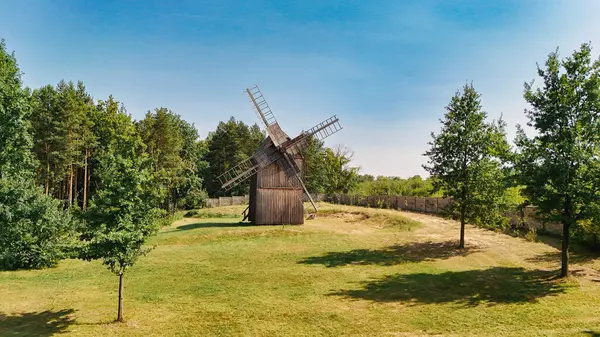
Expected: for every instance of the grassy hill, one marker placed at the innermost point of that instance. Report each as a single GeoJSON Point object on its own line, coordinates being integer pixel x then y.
{"type": "Point", "coordinates": [351, 271]}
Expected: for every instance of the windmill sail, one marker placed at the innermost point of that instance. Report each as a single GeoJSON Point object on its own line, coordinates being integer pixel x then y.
{"type": "Point", "coordinates": [247, 168]}
{"type": "Point", "coordinates": [262, 109]}
{"type": "Point", "coordinates": [238, 173]}
{"type": "Point", "coordinates": [319, 132]}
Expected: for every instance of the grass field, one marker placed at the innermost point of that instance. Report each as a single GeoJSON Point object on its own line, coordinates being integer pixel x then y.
{"type": "Point", "coordinates": [350, 272]}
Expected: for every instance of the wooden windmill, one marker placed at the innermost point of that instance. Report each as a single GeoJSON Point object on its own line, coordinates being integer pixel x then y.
{"type": "Point", "coordinates": [276, 169]}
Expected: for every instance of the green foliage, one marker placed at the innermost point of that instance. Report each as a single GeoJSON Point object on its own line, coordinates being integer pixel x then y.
{"type": "Point", "coordinates": [559, 166]}
{"type": "Point", "coordinates": [176, 153]}
{"type": "Point", "coordinates": [195, 198]}
{"type": "Point", "coordinates": [34, 230]}
{"type": "Point", "coordinates": [121, 217]}
{"type": "Point", "coordinates": [231, 142]}
{"type": "Point", "coordinates": [328, 170]}
{"type": "Point", "coordinates": [15, 140]}
{"type": "Point", "coordinates": [63, 137]}
{"type": "Point", "coordinates": [465, 161]}
{"type": "Point", "coordinates": [413, 187]}
{"type": "Point", "coordinates": [315, 176]}
{"type": "Point", "coordinates": [531, 235]}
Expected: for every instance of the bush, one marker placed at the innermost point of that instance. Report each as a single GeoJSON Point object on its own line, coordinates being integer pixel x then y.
{"type": "Point", "coordinates": [196, 198]}
{"type": "Point", "coordinates": [34, 230]}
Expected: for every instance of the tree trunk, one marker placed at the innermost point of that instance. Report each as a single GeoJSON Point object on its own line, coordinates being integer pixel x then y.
{"type": "Point", "coordinates": [75, 192]}
{"type": "Point", "coordinates": [120, 310]}
{"type": "Point", "coordinates": [70, 186]}
{"type": "Point", "coordinates": [47, 176]}
{"type": "Point", "coordinates": [461, 245]}
{"type": "Point", "coordinates": [89, 179]}
{"type": "Point", "coordinates": [85, 178]}
{"type": "Point", "coordinates": [564, 270]}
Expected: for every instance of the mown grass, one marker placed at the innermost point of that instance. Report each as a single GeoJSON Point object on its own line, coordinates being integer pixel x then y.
{"type": "Point", "coordinates": [373, 273]}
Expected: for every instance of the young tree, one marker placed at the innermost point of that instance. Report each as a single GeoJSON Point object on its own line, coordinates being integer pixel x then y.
{"type": "Point", "coordinates": [121, 216]}
{"type": "Point", "coordinates": [464, 160]}
{"type": "Point", "coordinates": [35, 232]}
{"type": "Point", "coordinates": [560, 166]}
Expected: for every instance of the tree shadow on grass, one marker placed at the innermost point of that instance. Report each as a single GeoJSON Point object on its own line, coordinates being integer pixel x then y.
{"type": "Point", "coordinates": [555, 257]}
{"type": "Point", "coordinates": [397, 254]}
{"type": "Point", "coordinates": [212, 225]}
{"type": "Point", "coordinates": [45, 323]}
{"type": "Point", "coordinates": [498, 285]}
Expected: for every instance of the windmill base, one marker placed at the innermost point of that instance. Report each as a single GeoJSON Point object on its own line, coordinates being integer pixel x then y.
{"type": "Point", "coordinates": [276, 206]}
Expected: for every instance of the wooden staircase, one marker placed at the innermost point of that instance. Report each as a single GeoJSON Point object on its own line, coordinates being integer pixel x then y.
{"type": "Point", "coordinates": [245, 213]}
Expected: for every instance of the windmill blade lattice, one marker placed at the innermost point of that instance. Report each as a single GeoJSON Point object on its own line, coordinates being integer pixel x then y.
{"type": "Point", "coordinates": [319, 132]}
{"type": "Point", "coordinates": [238, 173]}
{"type": "Point", "coordinates": [264, 113]}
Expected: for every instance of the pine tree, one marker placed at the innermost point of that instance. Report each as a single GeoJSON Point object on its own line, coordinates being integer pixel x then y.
{"type": "Point", "coordinates": [231, 143]}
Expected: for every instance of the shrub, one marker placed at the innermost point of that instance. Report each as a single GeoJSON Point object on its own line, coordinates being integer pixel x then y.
{"type": "Point", "coordinates": [196, 198]}
{"type": "Point", "coordinates": [34, 231]}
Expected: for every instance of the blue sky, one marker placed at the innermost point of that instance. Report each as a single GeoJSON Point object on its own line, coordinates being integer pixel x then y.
{"type": "Point", "coordinates": [386, 68]}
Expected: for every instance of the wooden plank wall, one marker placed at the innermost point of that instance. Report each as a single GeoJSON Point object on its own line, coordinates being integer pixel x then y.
{"type": "Point", "coordinates": [278, 206]}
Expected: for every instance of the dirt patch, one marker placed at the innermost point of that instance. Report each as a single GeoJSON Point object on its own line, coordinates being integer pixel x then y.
{"type": "Point", "coordinates": [373, 218]}
{"type": "Point", "coordinates": [347, 216]}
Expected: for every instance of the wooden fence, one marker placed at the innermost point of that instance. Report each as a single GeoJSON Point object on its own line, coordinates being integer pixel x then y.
{"type": "Point", "coordinates": [525, 219]}
{"type": "Point", "coordinates": [419, 204]}
{"type": "Point", "coordinates": [244, 200]}
{"type": "Point", "coordinates": [227, 201]}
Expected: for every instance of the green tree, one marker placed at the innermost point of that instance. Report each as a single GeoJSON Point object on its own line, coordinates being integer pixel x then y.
{"type": "Point", "coordinates": [44, 104]}
{"type": "Point", "coordinates": [315, 177]}
{"type": "Point", "coordinates": [15, 139]}
{"type": "Point", "coordinates": [559, 166]}
{"type": "Point", "coordinates": [231, 142]}
{"type": "Point", "coordinates": [340, 176]}
{"type": "Point", "coordinates": [33, 231]}
{"type": "Point", "coordinates": [64, 139]}
{"type": "Point", "coordinates": [465, 160]}
{"type": "Point", "coordinates": [115, 132]}
{"type": "Point", "coordinates": [174, 147]}
{"type": "Point", "coordinates": [121, 216]}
